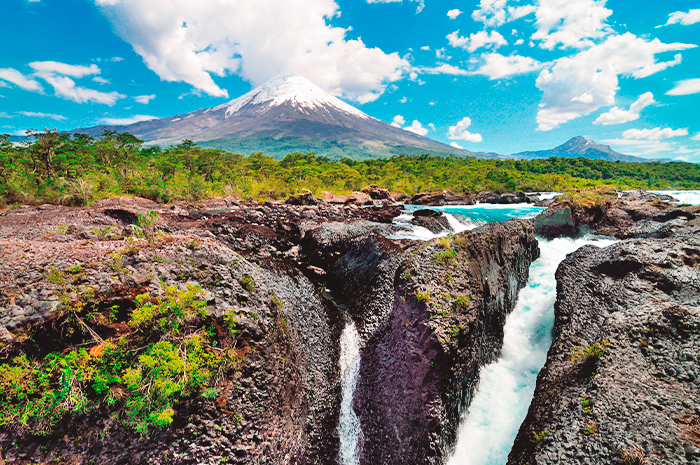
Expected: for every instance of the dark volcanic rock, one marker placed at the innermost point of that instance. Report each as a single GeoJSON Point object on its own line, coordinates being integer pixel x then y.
{"type": "Point", "coordinates": [640, 301]}
{"type": "Point", "coordinates": [606, 213]}
{"type": "Point", "coordinates": [306, 198]}
{"type": "Point", "coordinates": [445, 197]}
{"type": "Point", "coordinates": [444, 314]}
{"type": "Point", "coordinates": [376, 192]}
{"type": "Point", "coordinates": [504, 197]}
{"type": "Point", "coordinates": [435, 221]}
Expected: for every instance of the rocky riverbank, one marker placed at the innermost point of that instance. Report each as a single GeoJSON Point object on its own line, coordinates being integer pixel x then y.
{"type": "Point", "coordinates": [272, 285]}
{"type": "Point", "coordinates": [621, 379]}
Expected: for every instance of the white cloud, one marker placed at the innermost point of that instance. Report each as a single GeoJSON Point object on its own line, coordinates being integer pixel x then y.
{"type": "Point", "coordinates": [441, 55]}
{"type": "Point", "coordinates": [421, 3]}
{"type": "Point", "coordinates": [54, 67]}
{"type": "Point", "coordinates": [686, 87]}
{"type": "Point", "coordinates": [187, 41]}
{"type": "Point", "coordinates": [65, 87]}
{"type": "Point", "coordinates": [656, 67]}
{"type": "Point", "coordinates": [686, 19]}
{"type": "Point", "coordinates": [618, 116]}
{"type": "Point", "coordinates": [144, 99]}
{"type": "Point", "coordinates": [494, 13]}
{"type": "Point", "coordinates": [398, 121]}
{"type": "Point", "coordinates": [497, 66]}
{"type": "Point", "coordinates": [571, 23]}
{"type": "Point", "coordinates": [696, 137]}
{"type": "Point", "coordinates": [655, 134]}
{"type": "Point", "coordinates": [452, 14]}
{"type": "Point", "coordinates": [126, 121]}
{"type": "Point", "coordinates": [459, 131]}
{"type": "Point", "coordinates": [444, 68]}
{"type": "Point", "coordinates": [519, 42]}
{"type": "Point", "coordinates": [100, 80]}
{"type": "Point", "coordinates": [425, 47]}
{"type": "Point", "coordinates": [475, 41]}
{"type": "Point", "coordinates": [416, 128]}
{"type": "Point", "coordinates": [39, 114]}
{"type": "Point", "coordinates": [20, 80]}
{"type": "Point", "coordinates": [456, 145]}
{"type": "Point", "coordinates": [595, 71]}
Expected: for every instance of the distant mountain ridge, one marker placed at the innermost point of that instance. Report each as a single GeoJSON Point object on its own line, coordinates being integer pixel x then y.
{"type": "Point", "coordinates": [291, 114]}
{"type": "Point", "coordinates": [287, 113]}
{"type": "Point", "coordinates": [580, 147]}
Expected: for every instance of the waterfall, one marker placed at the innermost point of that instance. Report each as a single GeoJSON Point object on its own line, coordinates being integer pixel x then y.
{"type": "Point", "coordinates": [349, 429]}
{"type": "Point", "coordinates": [506, 386]}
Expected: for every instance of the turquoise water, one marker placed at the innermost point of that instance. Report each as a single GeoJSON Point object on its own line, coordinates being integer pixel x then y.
{"type": "Point", "coordinates": [485, 213]}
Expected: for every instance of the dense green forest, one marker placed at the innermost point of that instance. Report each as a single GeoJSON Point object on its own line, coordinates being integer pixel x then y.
{"type": "Point", "coordinates": [55, 167]}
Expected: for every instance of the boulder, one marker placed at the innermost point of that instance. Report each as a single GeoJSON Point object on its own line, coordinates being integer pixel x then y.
{"type": "Point", "coordinates": [555, 222]}
{"type": "Point", "coordinates": [376, 192]}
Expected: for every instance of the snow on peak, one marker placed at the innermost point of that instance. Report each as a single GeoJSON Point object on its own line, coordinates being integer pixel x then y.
{"type": "Point", "coordinates": [289, 87]}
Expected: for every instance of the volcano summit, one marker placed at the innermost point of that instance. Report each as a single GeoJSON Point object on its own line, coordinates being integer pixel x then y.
{"type": "Point", "coordinates": [286, 114]}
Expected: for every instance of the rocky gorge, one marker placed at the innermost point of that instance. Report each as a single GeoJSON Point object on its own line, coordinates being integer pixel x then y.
{"type": "Point", "coordinates": [280, 283]}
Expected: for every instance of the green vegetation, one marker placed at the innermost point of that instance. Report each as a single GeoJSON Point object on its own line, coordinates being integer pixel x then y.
{"type": "Point", "coordinates": [446, 257]}
{"type": "Point", "coordinates": [634, 455]}
{"type": "Point", "coordinates": [165, 358]}
{"type": "Point", "coordinates": [421, 297]}
{"type": "Point", "coordinates": [538, 437]}
{"type": "Point", "coordinates": [462, 301]}
{"type": "Point", "coordinates": [588, 354]}
{"type": "Point", "coordinates": [248, 283]}
{"type": "Point", "coordinates": [56, 167]}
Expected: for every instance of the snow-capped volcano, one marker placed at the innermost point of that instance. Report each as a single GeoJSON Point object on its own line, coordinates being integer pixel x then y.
{"type": "Point", "coordinates": [299, 92]}
{"type": "Point", "coordinates": [286, 114]}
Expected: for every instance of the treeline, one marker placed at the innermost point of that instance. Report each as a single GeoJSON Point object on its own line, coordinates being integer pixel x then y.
{"type": "Point", "coordinates": [56, 167]}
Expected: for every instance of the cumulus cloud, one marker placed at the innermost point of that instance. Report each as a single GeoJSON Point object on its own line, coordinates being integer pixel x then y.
{"type": "Point", "coordinates": [618, 116]}
{"type": "Point", "coordinates": [444, 68]}
{"type": "Point", "coordinates": [38, 114]}
{"type": "Point", "coordinates": [126, 121]}
{"type": "Point", "coordinates": [497, 66]}
{"type": "Point", "coordinates": [185, 41]}
{"type": "Point", "coordinates": [20, 80]}
{"type": "Point", "coordinates": [571, 23]}
{"type": "Point", "coordinates": [66, 87]}
{"type": "Point", "coordinates": [655, 134]}
{"type": "Point", "coordinates": [421, 3]}
{"type": "Point", "coordinates": [416, 128]}
{"type": "Point", "coordinates": [54, 67]}
{"type": "Point", "coordinates": [476, 41]}
{"type": "Point", "coordinates": [452, 14]}
{"type": "Point", "coordinates": [59, 76]}
{"type": "Point", "coordinates": [144, 99]}
{"type": "Point", "coordinates": [494, 13]}
{"type": "Point", "coordinates": [686, 19]}
{"type": "Point", "coordinates": [100, 80]}
{"type": "Point", "coordinates": [595, 72]}
{"type": "Point", "coordinates": [398, 121]}
{"type": "Point", "coordinates": [459, 131]}
{"type": "Point", "coordinates": [425, 47]}
{"type": "Point", "coordinates": [686, 87]}
{"type": "Point", "coordinates": [456, 145]}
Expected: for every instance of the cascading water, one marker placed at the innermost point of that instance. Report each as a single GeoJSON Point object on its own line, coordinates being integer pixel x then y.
{"type": "Point", "coordinates": [349, 429]}
{"type": "Point", "coordinates": [506, 387]}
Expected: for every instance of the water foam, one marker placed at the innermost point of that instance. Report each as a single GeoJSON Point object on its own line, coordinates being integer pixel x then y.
{"type": "Point", "coordinates": [506, 386]}
{"type": "Point", "coordinates": [349, 428]}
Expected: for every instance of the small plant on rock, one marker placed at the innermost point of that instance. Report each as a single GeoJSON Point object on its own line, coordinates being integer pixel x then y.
{"type": "Point", "coordinates": [421, 297]}
{"type": "Point", "coordinates": [446, 257]}
{"type": "Point", "coordinates": [539, 437]}
{"type": "Point", "coordinates": [588, 354]}
{"type": "Point", "coordinates": [634, 455]}
{"type": "Point", "coordinates": [248, 283]}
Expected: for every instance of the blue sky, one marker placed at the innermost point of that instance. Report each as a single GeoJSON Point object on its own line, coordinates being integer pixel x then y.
{"type": "Point", "coordinates": [490, 75]}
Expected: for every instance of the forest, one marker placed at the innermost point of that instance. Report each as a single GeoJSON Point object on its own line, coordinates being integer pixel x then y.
{"type": "Point", "coordinates": [76, 169]}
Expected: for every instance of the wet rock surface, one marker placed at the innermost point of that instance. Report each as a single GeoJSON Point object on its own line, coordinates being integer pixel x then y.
{"type": "Point", "coordinates": [633, 397]}
{"type": "Point", "coordinates": [610, 213]}
{"type": "Point", "coordinates": [434, 221]}
{"type": "Point", "coordinates": [443, 318]}
{"type": "Point", "coordinates": [310, 264]}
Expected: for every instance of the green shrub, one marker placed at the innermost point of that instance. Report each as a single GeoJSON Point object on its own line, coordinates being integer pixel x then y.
{"type": "Point", "coordinates": [141, 376]}
{"type": "Point", "coordinates": [588, 354]}
{"type": "Point", "coordinates": [446, 257]}
{"type": "Point", "coordinates": [248, 283]}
